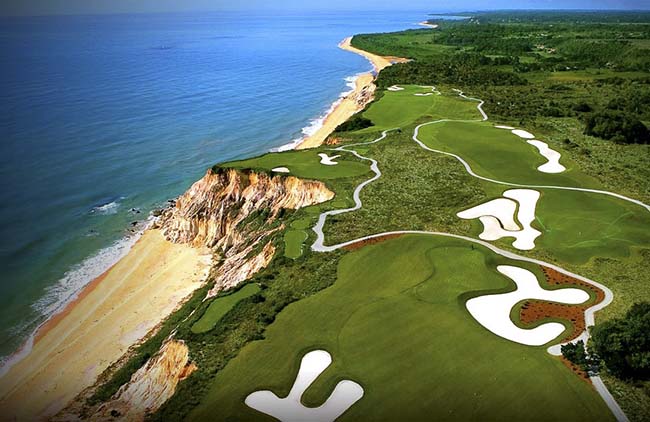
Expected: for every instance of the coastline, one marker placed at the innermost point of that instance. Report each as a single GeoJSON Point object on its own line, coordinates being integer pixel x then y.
{"type": "Point", "coordinates": [354, 101]}
{"type": "Point", "coordinates": [64, 355]}
{"type": "Point", "coordinates": [124, 304]}
{"type": "Point", "coordinates": [428, 25]}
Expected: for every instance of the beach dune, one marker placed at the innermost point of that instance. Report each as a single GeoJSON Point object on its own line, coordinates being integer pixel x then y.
{"type": "Point", "coordinates": [111, 314]}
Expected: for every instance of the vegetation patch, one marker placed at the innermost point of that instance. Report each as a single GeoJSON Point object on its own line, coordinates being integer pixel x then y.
{"type": "Point", "coordinates": [221, 305]}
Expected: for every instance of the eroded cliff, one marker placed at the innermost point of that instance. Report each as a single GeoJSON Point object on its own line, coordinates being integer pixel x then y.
{"type": "Point", "coordinates": [210, 213]}
{"type": "Point", "coordinates": [236, 214]}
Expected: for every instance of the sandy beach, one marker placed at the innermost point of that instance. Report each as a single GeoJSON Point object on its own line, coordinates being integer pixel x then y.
{"type": "Point", "coordinates": [355, 101]}
{"type": "Point", "coordinates": [111, 314]}
{"type": "Point", "coordinates": [119, 308]}
{"type": "Point", "coordinates": [427, 24]}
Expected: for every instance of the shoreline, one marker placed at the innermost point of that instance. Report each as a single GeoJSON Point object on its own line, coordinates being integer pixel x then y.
{"type": "Point", "coordinates": [350, 103]}
{"type": "Point", "coordinates": [428, 25]}
{"type": "Point", "coordinates": [63, 355]}
{"type": "Point", "coordinates": [122, 246]}
{"type": "Point", "coordinates": [123, 304]}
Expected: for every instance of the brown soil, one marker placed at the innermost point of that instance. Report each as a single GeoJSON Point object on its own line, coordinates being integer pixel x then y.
{"type": "Point", "coordinates": [360, 244]}
{"type": "Point", "coordinates": [536, 310]}
{"type": "Point", "coordinates": [576, 369]}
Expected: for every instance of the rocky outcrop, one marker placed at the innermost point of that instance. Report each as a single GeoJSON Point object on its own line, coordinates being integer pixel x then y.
{"type": "Point", "coordinates": [150, 386]}
{"type": "Point", "coordinates": [233, 212]}
{"type": "Point", "coordinates": [210, 213]}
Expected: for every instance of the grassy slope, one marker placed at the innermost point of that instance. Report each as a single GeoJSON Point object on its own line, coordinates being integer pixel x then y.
{"type": "Point", "coordinates": [220, 307]}
{"type": "Point", "coordinates": [395, 322]}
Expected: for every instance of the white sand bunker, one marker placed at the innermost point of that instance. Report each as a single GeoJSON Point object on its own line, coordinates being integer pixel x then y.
{"type": "Point", "coordinates": [504, 127]}
{"type": "Point", "coordinates": [434, 90]}
{"type": "Point", "coordinates": [395, 88]}
{"type": "Point", "coordinates": [553, 165]}
{"type": "Point", "coordinates": [498, 219]}
{"type": "Point", "coordinates": [327, 160]}
{"type": "Point", "coordinates": [523, 134]}
{"type": "Point", "coordinates": [290, 408]}
{"type": "Point", "coordinates": [281, 170]}
{"type": "Point", "coordinates": [493, 311]}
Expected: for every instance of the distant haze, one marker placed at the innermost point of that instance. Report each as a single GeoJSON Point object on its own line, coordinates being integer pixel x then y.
{"type": "Point", "coordinates": [48, 7]}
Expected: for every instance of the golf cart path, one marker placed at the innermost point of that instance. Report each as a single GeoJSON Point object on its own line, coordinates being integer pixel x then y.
{"type": "Point", "coordinates": [319, 243]}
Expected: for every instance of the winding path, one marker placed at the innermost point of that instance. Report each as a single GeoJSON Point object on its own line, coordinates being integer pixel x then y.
{"type": "Point", "coordinates": [319, 243]}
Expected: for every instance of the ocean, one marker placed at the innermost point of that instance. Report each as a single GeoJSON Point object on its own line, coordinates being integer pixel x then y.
{"type": "Point", "coordinates": [105, 118]}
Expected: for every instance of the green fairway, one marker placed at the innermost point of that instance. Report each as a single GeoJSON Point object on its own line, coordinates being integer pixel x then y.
{"type": "Point", "coordinates": [293, 243]}
{"type": "Point", "coordinates": [305, 164]}
{"type": "Point", "coordinates": [499, 154]}
{"type": "Point", "coordinates": [401, 108]}
{"type": "Point", "coordinates": [220, 307]}
{"type": "Point", "coordinates": [577, 226]}
{"type": "Point", "coordinates": [395, 322]}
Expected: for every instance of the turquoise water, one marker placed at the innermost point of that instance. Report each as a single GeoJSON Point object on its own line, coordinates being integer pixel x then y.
{"type": "Point", "coordinates": [102, 119]}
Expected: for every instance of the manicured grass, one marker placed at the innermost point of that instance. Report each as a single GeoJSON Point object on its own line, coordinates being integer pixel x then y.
{"type": "Point", "coordinates": [306, 164]}
{"type": "Point", "coordinates": [395, 322]}
{"type": "Point", "coordinates": [220, 307]}
{"type": "Point", "coordinates": [499, 154]}
{"type": "Point", "coordinates": [575, 226]}
{"type": "Point", "coordinates": [401, 108]}
{"type": "Point", "coordinates": [293, 243]}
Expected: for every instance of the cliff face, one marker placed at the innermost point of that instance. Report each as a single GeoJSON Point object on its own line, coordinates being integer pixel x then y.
{"type": "Point", "coordinates": [150, 386]}
{"type": "Point", "coordinates": [235, 213]}
{"type": "Point", "coordinates": [210, 212]}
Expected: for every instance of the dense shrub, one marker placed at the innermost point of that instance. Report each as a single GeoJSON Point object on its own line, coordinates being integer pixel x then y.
{"type": "Point", "coordinates": [617, 126]}
{"type": "Point", "coordinates": [354, 123]}
{"type": "Point", "coordinates": [577, 354]}
{"type": "Point", "coordinates": [624, 344]}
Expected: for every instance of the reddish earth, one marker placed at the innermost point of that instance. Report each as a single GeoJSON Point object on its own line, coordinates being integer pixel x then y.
{"type": "Point", "coordinates": [360, 244]}
{"type": "Point", "coordinates": [536, 310]}
{"type": "Point", "coordinates": [576, 369]}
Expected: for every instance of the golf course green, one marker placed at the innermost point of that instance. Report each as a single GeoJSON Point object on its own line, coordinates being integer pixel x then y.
{"type": "Point", "coordinates": [395, 322]}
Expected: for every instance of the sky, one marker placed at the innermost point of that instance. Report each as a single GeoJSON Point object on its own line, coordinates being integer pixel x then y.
{"type": "Point", "coordinates": [49, 7]}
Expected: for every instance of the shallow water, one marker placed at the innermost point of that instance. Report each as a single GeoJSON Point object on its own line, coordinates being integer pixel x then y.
{"type": "Point", "coordinates": [102, 119]}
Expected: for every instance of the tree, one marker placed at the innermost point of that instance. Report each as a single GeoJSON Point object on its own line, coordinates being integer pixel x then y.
{"type": "Point", "coordinates": [577, 353]}
{"type": "Point", "coordinates": [617, 126]}
{"type": "Point", "coordinates": [624, 344]}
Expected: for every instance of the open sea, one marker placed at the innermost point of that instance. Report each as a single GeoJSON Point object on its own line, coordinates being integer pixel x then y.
{"type": "Point", "coordinates": [105, 118]}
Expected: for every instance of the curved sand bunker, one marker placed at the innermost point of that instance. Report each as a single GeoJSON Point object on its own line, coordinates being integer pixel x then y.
{"type": "Point", "coordinates": [281, 170]}
{"type": "Point", "coordinates": [290, 408]}
{"type": "Point", "coordinates": [523, 134]}
{"type": "Point", "coordinates": [553, 165]}
{"type": "Point", "coordinates": [493, 311]}
{"type": "Point", "coordinates": [395, 88]}
{"type": "Point", "coordinates": [327, 160]}
{"type": "Point", "coordinates": [498, 220]}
